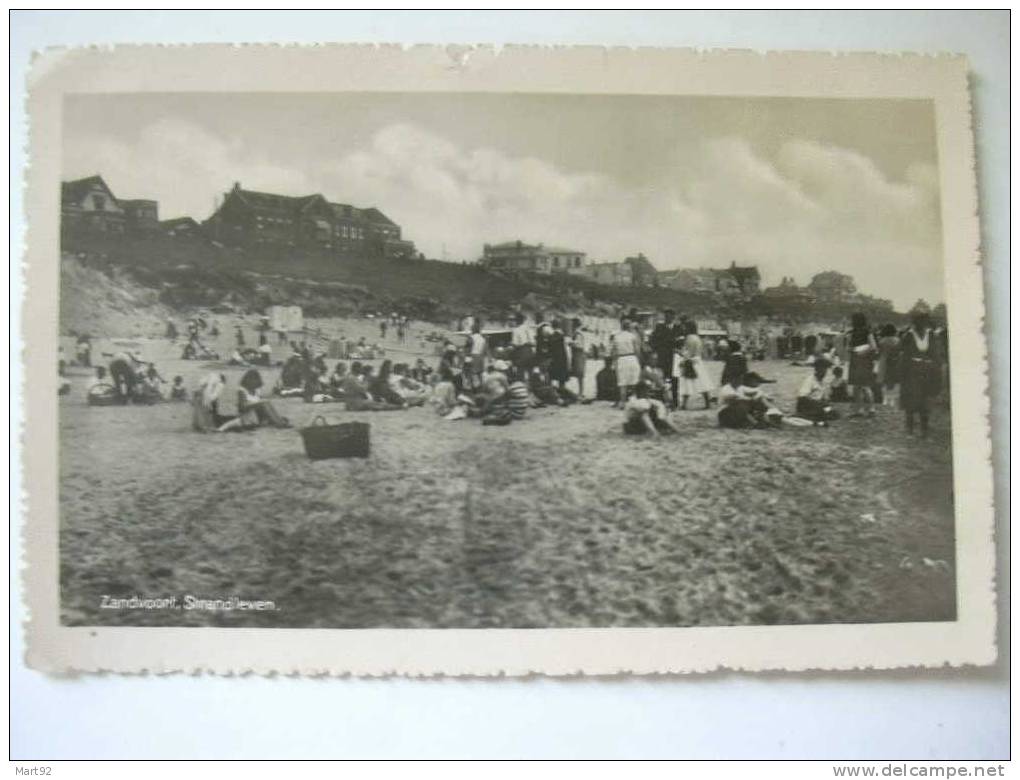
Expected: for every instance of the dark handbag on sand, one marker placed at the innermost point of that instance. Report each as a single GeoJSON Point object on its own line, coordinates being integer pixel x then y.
{"type": "Point", "coordinates": [343, 440]}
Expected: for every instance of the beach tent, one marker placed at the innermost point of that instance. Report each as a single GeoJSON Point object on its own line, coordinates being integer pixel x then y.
{"type": "Point", "coordinates": [288, 319]}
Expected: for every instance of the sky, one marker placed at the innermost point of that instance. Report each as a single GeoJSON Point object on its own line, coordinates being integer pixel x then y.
{"type": "Point", "coordinates": [793, 185]}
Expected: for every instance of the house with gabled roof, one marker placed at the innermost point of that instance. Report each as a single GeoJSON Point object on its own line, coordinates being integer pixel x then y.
{"type": "Point", "coordinates": [89, 204]}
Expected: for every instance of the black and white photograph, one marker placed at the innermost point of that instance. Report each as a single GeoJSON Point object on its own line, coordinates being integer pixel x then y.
{"type": "Point", "coordinates": [359, 360]}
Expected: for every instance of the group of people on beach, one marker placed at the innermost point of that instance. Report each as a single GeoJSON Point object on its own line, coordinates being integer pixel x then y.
{"type": "Point", "coordinates": [648, 373]}
{"type": "Point", "coordinates": [127, 379]}
{"type": "Point", "coordinates": [882, 363]}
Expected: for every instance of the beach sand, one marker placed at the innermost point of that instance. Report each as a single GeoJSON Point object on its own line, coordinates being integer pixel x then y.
{"type": "Point", "coordinates": [555, 521]}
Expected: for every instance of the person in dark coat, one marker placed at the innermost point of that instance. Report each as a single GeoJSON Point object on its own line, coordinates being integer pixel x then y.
{"type": "Point", "coordinates": [736, 364]}
{"type": "Point", "coordinates": [920, 373]}
{"type": "Point", "coordinates": [663, 341]}
{"type": "Point", "coordinates": [559, 362]}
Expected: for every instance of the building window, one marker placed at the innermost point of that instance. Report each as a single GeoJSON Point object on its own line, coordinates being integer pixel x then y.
{"type": "Point", "coordinates": [98, 202]}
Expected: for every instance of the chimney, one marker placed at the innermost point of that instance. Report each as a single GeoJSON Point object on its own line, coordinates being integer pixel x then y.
{"type": "Point", "coordinates": [237, 186]}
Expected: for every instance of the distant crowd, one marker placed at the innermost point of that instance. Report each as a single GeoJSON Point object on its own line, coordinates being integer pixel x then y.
{"type": "Point", "coordinates": [648, 370]}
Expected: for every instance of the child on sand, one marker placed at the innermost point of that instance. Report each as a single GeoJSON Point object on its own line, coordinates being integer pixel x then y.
{"type": "Point", "coordinates": [177, 390]}
{"type": "Point", "coordinates": [838, 388]}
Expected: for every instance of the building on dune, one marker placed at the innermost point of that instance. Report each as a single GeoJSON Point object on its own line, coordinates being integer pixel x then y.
{"type": "Point", "coordinates": [533, 258]}
{"type": "Point", "coordinates": [739, 282]}
{"type": "Point", "coordinates": [643, 272]}
{"type": "Point", "coordinates": [249, 217]}
{"type": "Point", "coordinates": [89, 204]}
{"type": "Point", "coordinates": [614, 274]}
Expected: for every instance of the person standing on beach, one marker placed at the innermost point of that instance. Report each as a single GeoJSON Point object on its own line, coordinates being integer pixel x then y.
{"type": "Point", "coordinates": [693, 373]}
{"type": "Point", "coordinates": [663, 343]}
{"type": "Point", "coordinates": [477, 351]}
{"type": "Point", "coordinates": [624, 353]}
{"type": "Point", "coordinates": [522, 342]}
{"type": "Point", "coordinates": [559, 361]}
{"type": "Point", "coordinates": [862, 350]}
{"type": "Point", "coordinates": [919, 371]}
{"type": "Point", "coordinates": [578, 354]}
{"type": "Point", "coordinates": [542, 330]}
{"type": "Point", "coordinates": [888, 369]}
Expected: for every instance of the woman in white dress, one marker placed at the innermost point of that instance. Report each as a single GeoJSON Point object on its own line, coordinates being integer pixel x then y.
{"type": "Point", "coordinates": [692, 371]}
{"type": "Point", "coordinates": [625, 347]}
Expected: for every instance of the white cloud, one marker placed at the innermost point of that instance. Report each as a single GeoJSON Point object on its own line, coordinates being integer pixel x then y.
{"type": "Point", "coordinates": [812, 208]}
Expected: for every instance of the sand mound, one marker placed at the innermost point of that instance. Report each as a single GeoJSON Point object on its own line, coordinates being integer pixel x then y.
{"type": "Point", "coordinates": [107, 303]}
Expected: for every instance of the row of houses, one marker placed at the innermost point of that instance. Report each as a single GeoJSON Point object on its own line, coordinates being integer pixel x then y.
{"type": "Point", "coordinates": [732, 282]}
{"type": "Point", "coordinates": [518, 256]}
{"type": "Point", "coordinates": [243, 217]}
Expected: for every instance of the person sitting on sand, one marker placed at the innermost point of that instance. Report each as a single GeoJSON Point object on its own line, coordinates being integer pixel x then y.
{"type": "Point", "coordinates": [355, 393]}
{"type": "Point", "coordinates": [443, 398]}
{"type": "Point", "coordinates": [292, 376]}
{"type": "Point", "coordinates": [814, 396]}
{"type": "Point", "coordinates": [735, 366]}
{"type": "Point", "coordinates": [644, 415]}
{"type": "Point", "coordinates": [606, 388]}
{"type": "Point", "coordinates": [413, 392]}
{"type": "Point", "coordinates": [453, 360]}
{"type": "Point", "coordinates": [744, 404]}
{"type": "Point", "coordinates": [314, 387]}
{"type": "Point", "coordinates": [519, 396]}
{"type": "Point", "coordinates": [542, 389]}
{"type": "Point", "coordinates": [493, 399]}
{"type": "Point", "coordinates": [177, 390]}
{"type": "Point", "coordinates": [838, 390]}
{"type": "Point", "coordinates": [252, 409]}
{"type": "Point", "coordinates": [336, 379]}
{"type": "Point", "coordinates": [421, 372]}
{"type": "Point", "coordinates": [380, 387]}
{"type": "Point", "coordinates": [205, 403]}
{"type": "Point", "coordinates": [149, 388]}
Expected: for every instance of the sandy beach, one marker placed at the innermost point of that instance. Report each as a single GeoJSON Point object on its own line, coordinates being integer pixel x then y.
{"type": "Point", "coordinates": [556, 521]}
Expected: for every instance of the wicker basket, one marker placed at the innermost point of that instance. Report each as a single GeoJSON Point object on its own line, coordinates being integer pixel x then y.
{"type": "Point", "coordinates": [104, 395]}
{"type": "Point", "coordinates": [344, 440]}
